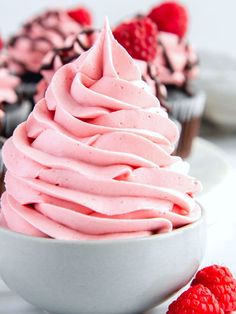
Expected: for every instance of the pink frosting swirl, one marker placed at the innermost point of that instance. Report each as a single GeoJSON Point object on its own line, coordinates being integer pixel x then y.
{"type": "Point", "coordinates": [43, 33]}
{"type": "Point", "coordinates": [93, 160]}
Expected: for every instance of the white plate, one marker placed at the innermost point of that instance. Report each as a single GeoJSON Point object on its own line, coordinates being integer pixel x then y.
{"type": "Point", "coordinates": [208, 163]}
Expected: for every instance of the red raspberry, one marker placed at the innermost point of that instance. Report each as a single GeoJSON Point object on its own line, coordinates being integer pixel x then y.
{"type": "Point", "coordinates": [1, 43]}
{"type": "Point", "coordinates": [196, 300]}
{"type": "Point", "coordinates": [81, 16]}
{"type": "Point", "coordinates": [138, 37]}
{"type": "Point", "coordinates": [220, 282]}
{"type": "Point", "coordinates": [170, 17]}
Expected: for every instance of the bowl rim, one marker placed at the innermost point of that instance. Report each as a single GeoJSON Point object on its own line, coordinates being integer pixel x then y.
{"type": "Point", "coordinates": [154, 237]}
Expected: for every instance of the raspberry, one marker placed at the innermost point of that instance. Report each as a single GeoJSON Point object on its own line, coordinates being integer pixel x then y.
{"type": "Point", "coordinates": [220, 282]}
{"type": "Point", "coordinates": [196, 300]}
{"type": "Point", "coordinates": [1, 43]}
{"type": "Point", "coordinates": [138, 37]}
{"type": "Point", "coordinates": [81, 16]}
{"type": "Point", "coordinates": [170, 17]}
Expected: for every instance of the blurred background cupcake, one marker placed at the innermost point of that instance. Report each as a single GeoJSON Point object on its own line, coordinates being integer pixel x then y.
{"type": "Point", "coordinates": [159, 38]}
{"type": "Point", "coordinates": [72, 48]}
{"type": "Point", "coordinates": [49, 30]}
{"type": "Point", "coordinates": [14, 108]}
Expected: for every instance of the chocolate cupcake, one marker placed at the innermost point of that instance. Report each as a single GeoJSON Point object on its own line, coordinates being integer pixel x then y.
{"type": "Point", "coordinates": [37, 37]}
{"type": "Point", "coordinates": [159, 39]}
{"type": "Point", "coordinates": [14, 108]}
{"type": "Point", "coordinates": [178, 68]}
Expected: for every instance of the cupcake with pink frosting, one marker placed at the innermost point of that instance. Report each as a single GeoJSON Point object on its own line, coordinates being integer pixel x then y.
{"type": "Point", "coordinates": [171, 60]}
{"type": "Point", "coordinates": [40, 35]}
{"type": "Point", "coordinates": [93, 160]}
{"type": "Point", "coordinates": [14, 109]}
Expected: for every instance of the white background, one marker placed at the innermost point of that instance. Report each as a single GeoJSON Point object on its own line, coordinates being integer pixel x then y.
{"type": "Point", "coordinates": [213, 22]}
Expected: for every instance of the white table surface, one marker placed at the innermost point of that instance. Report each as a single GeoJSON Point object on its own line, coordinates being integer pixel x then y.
{"type": "Point", "coordinates": [221, 248]}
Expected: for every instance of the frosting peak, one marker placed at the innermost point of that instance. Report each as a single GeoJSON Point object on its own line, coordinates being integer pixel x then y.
{"type": "Point", "coordinates": [93, 160]}
{"type": "Point", "coordinates": [110, 58]}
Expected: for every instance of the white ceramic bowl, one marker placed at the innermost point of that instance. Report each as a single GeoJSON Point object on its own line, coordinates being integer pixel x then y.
{"type": "Point", "coordinates": [101, 277]}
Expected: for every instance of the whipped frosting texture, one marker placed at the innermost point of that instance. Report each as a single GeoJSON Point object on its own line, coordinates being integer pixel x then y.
{"type": "Point", "coordinates": [93, 160]}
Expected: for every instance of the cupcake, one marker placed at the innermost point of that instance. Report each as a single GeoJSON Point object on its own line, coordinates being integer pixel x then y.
{"type": "Point", "coordinates": [160, 40]}
{"type": "Point", "coordinates": [14, 109]}
{"type": "Point", "coordinates": [37, 37]}
{"type": "Point", "coordinates": [71, 50]}
{"type": "Point", "coordinates": [93, 160]}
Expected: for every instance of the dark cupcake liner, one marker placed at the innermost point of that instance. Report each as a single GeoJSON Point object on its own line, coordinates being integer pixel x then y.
{"type": "Point", "coordinates": [28, 86]}
{"type": "Point", "coordinates": [2, 168]}
{"type": "Point", "coordinates": [188, 110]}
{"type": "Point", "coordinates": [190, 129]}
{"type": "Point", "coordinates": [14, 114]}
